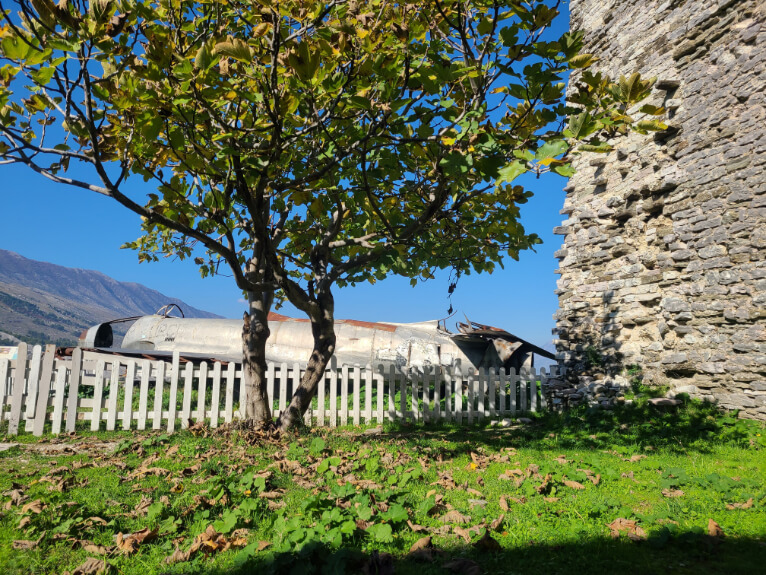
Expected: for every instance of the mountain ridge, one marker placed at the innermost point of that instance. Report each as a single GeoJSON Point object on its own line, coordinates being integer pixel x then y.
{"type": "Point", "coordinates": [41, 302]}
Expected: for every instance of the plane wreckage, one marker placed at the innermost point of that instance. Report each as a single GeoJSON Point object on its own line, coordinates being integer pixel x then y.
{"type": "Point", "coordinates": [407, 346]}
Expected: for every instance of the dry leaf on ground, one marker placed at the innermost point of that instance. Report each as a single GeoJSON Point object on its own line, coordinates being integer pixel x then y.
{"type": "Point", "coordinates": [672, 493]}
{"type": "Point", "coordinates": [487, 543]}
{"type": "Point", "coordinates": [573, 484]}
{"type": "Point", "coordinates": [92, 566]}
{"type": "Point", "coordinates": [631, 529]}
{"type": "Point", "coordinates": [713, 529]}
{"type": "Point", "coordinates": [421, 543]}
{"type": "Point", "coordinates": [746, 505]}
{"type": "Point", "coordinates": [455, 516]}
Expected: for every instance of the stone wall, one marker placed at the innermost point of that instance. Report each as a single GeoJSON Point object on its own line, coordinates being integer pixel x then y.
{"type": "Point", "coordinates": [663, 259]}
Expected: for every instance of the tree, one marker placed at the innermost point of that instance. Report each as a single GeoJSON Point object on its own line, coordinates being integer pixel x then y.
{"type": "Point", "coordinates": [305, 144]}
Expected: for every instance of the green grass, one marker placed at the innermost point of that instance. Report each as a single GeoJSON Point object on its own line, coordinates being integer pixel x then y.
{"type": "Point", "coordinates": [323, 520]}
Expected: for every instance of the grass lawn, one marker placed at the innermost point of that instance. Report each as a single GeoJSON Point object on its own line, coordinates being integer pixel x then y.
{"type": "Point", "coordinates": [634, 490]}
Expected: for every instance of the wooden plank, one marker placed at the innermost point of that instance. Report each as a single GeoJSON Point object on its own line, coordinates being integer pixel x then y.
{"type": "Point", "coordinates": [270, 383]}
{"type": "Point", "coordinates": [403, 397]}
{"type": "Point", "coordinates": [344, 395]}
{"type": "Point", "coordinates": [228, 413]}
{"type": "Point", "coordinates": [481, 392]}
{"type": "Point", "coordinates": [513, 389]}
{"type": "Point", "coordinates": [74, 389]}
{"type": "Point", "coordinates": [392, 392]}
{"type": "Point", "coordinates": [130, 379]}
{"type": "Point", "coordinates": [242, 409]}
{"type": "Point", "coordinates": [438, 379]}
{"type": "Point", "coordinates": [44, 390]}
{"type": "Point", "coordinates": [472, 389]}
{"type": "Point", "coordinates": [426, 393]}
{"type": "Point", "coordinates": [114, 386]}
{"type": "Point", "coordinates": [4, 369]}
{"type": "Point", "coordinates": [284, 378]}
{"type": "Point", "coordinates": [159, 392]}
{"type": "Point", "coordinates": [30, 403]}
{"type": "Point", "coordinates": [321, 392]}
{"type": "Point", "coordinates": [380, 386]}
{"type": "Point", "coordinates": [415, 379]}
{"type": "Point", "coordinates": [369, 392]}
{"type": "Point", "coordinates": [173, 405]}
{"type": "Point", "coordinates": [58, 399]}
{"type": "Point", "coordinates": [502, 395]}
{"type": "Point", "coordinates": [17, 397]}
{"type": "Point", "coordinates": [143, 394]}
{"type": "Point", "coordinates": [492, 392]}
{"type": "Point", "coordinates": [357, 393]}
{"type": "Point", "coordinates": [215, 399]}
{"type": "Point", "coordinates": [541, 396]}
{"type": "Point", "coordinates": [334, 392]}
{"type": "Point", "coordinates": [186, 412]}
{"type": "Point", "coordinates": [458, 396]}
{"type": "Point", "coordinates": [98, 394]}
{"type": "Point", "coordinates": [523, 379]}
{"type": "Point", "coordinates": [201, 389]}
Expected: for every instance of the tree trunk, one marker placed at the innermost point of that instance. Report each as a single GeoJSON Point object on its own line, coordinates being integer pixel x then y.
{"type": "Point", "coordinates": [255, 334]}
{"type": "Point", "coordinates": [323, 330]}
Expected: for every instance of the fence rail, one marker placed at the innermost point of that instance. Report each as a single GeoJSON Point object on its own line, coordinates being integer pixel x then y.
{"type": "Point", "coordinates": [46, 393]}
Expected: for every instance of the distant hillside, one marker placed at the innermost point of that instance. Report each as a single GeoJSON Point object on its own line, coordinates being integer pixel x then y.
{"type": "Point", "coordinates": [42, 302]}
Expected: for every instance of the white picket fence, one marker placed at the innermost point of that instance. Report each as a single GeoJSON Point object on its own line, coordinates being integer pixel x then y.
{"type": "Point", "coordinates": [110, 391]}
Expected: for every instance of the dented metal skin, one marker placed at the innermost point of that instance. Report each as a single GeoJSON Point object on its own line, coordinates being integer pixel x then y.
{"type": "Point", "coordinates": [408, 347]}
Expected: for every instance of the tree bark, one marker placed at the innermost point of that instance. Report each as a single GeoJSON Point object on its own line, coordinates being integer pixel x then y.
{"type": "Point", "coordinates": [323, 331]}
{"type": "Point", "coordinates": [255, 334]}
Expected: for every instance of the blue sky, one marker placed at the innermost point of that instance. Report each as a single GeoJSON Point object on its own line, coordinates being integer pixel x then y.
{"type": "Point", "coordinates": [75, 228]}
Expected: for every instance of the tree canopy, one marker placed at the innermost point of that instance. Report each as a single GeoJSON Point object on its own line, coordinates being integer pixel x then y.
{"type": "Point", "coordinates": [307, 144]}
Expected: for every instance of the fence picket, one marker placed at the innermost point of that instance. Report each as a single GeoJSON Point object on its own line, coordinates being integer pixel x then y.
{"type": "Point", "coordinates": [215, 398]}
{"type": "Point", "coordinates": [367, 374]}
{"type": "Point", "coordinates": [186, 412]}
{"type": "Point", "coordinates": [284, 377]}
{"type": "Point", "coordinates": [228, 413]}
{"type": "Point", "coordinates": [58, 399]}
{"type": "Point", "coordinates": [403, 398]}
{"type": "Point", "coordinates": [523, 399]}
{"type": "Point", "coordinates": [380, 378]}
{"type": "Point", "coordinates": [458, 383]}
{"type": "Point", "coordinates": [415, 396]}
{"type": "Point", "coordinates": [130, 380]}
{"type": "Point", "coordinates": [18, 389]}
{"type": "Point", "coordinates": [321, 391]}
{"type": "Point", "coordinates": [173, 405]}
{"type": "Point", "coordinates": [4, 369]}
{"type": "Point", "coordinates": [447, 377]}
{"type": "Point", "coordinates": [357, 392]}
{"type": "Point", "coordinates": [270, 382]}
{"type": "Point", "coordinates": [98, 394]}
{"type": "Point", "coordinates": [472, 385]}
{"type": "Point", "coordinates": [333, 392]}
{"type": "Point", "coordinates": [143, 394]}
{"type": "Point", "coordinates": [32, 388]}
{"type": "Point", "coordinates": [44, 390]}
{"type": "Point", "coordinates": [492, 392]}
{"type": "Point", "coordinates": [392, 393]}
{"type": "Point", "coordinates": [344, 395]}
{"type": "Point", "coordinates": [73, 398]}
{"type": "Point", "coordinates": [503, 381]}
{"type": "Point", "coordinates": [111, 405]}
{"type": "Point", "coordinates": [438, 381]}
{"type": "Point", "coordinates": [201, 386]}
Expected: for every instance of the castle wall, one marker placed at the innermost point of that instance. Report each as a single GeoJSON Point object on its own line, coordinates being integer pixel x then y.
{"type": "Point", "coordinates": [663, 263]}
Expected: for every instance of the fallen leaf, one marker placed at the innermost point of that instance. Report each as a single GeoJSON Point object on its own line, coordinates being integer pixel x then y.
{"type": "Point", "coordinates": [487, 543]}
{"type": "Point", "coordinates": [421, 543]}
{"type": "Point", "coordinates": [573, 484]}
{"type": "Point", "coordinates": [595, 480]}
{"type": "Point", "coordinates": [130, 543]}
{"type": "Point", "coordinates": [454, 516]}
{"type": "Point", "coordinates": [497, 523]}
{"type": "Point", "coordinates": [263, 544]}
{"type": "Point", "coordinates": [551, 499]}
{"type": "Point", "coordinates": [503, 503]}
{"type": "Point", "coordinates": [519, 500]}
{"type": "Point", "coordinates": [747, 505]}
{"type": "Point", "coordinates": [415, 527]}
{"type": "Point", "coordinates": [464, 533]}
{"type": "Point", "coordinates": [634, 458]}
{"type": "Point", "coordinates": [672, 493]}
{"type": "Point", "coordinates": [172, 451]}
{"type": "Point", "coordinates": [35, 507]}
{"type": "Point", "coordinates": [476, 492]}
{"type": "Point", "coordinates": [713, 529]}
{"type": "Point", "coordinates": [25, 545]}
{"type": "Point", "coordinates": [633, 531]}
{"type": "Point", "coordinates": [92, 566]}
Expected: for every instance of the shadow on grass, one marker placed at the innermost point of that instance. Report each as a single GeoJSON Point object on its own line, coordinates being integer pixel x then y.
{"type": "Point", "coordinates": [693, 426]}
{"type": "Point", "coordinates": [684, 553]}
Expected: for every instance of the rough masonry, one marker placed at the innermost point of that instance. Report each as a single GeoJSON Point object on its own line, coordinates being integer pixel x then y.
{"type": "Point", "coordinates": [663, 259]}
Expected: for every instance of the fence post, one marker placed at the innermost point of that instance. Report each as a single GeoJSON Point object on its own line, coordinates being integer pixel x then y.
{"type": "Point", "coordinates": [4, 373]}
{"type": "Point", "coordinates": [98, 394]}
{"type": "Point", "coordinates": [173, 405]}
{"type": "Point", "coordinates": [215, 399]}
{"type": "Point", "coordinates": [44, 388]}
{"type": "Point", "coordinates": [73, 400]}
{"type": "Point", "coordinates": [229, 409]}
{"type": "Point", "coordinates": [18, 389]}
{"type": "Point", "coordinates": [130, 377]}
{"type": "Point", "coordinates": [58, 398]}
{"type": "Point", "coordinates": [114, 387]}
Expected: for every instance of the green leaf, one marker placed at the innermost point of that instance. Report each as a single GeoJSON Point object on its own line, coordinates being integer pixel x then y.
{"type": "Point", "coordinates": [510, 172]}
{"type": "Point", "coordinates": [14, 48]}
{"type": "Point", "coordinates": [204, 59]}
{"type": "Point", "coordinates": [652, 110]}
{"type": "Point", "coordinates": [651, 125]}
{"type": "Point", "coordinates": [551, 149]}
{"type": "Point", "coordinates": [318, 445]}
{"type": "Point", "coordinates": [234, 48]}
{"type": "Point", "coordinates": [43, 75]}
{"type": "Point", "coordinates": [381, 532]}
{"type": "Point", "coordinates": [602, 148]}
{"type": "Point", "coordinates": [582, 60]}
{"type": "Point", "coordinates": [565, 170]}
